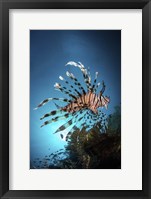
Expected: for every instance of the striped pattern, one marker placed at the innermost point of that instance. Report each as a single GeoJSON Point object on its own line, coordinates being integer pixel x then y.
{"type": "Point", "coordinates": [55, 119]}
{"type": "Point", "coordinates": [93, 86]}
{"type": "Point", "coordinates": [72, 87]}
{"type": "Point", "coordinates": [50, 99]}
{"type": "Point", "coordinates": [64, 90]}
{"type": "Point", "coordinates": [89, 100]}
{"type": "Point", "coordinates": [75, 81]}
{"type": "Point", "coordinates": [82, 108]}
{"type": "Point", "coordinates": [86, 77]}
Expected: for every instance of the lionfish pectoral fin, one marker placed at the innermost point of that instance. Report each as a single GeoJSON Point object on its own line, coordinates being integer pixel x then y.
{"type": "Point", "coordinates": [50, 99]}
{"type": "Point", "coordinates": [68, 123]}
{"type": "Point", "coordinates": [61, 135]}
{"type": "Point", "coordinates": [52, 113]}
{"type": "Point", "coordinates": [55, 119]}
{"type": "Point", "coordinates": [43, 103]}
{"type": "Point", "coordinates": [64, 126]}
{"type": "Point", "coordinates": [74, 128]}
{"type": "Point", "coordinates": [57, 106]}
{"type": "Point", "coordinates": [68, 135]}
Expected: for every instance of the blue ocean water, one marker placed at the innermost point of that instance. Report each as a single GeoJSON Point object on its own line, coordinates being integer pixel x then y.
{"type": "Point", "coordinates": [50, 50]}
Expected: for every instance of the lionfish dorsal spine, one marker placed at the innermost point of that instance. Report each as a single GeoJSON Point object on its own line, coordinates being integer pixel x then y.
{"type": "Point", "coordinates": [103, 88]}
{"type": "Point", "coordinates": [94, 83]}
{"type": "Point", "coordinates": [97, 86]}
{"type": "Point", "coordinates": [64, 90]}
{"type": "Point", "coordinates": [75, 81]}
{"type": "Point", "coordinates": [72, 87]}
{"type": "Point", "coordinates": [86, 77]}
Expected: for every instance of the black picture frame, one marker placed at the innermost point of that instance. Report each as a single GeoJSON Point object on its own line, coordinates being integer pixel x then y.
{"type": "Point", "coordinates": [5, 5]}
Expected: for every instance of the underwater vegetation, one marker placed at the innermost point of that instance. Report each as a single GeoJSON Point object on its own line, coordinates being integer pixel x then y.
{"type": "Point", "coordinates": [83, 108]}
{"type": "Point", "coordinates": [88, 149]}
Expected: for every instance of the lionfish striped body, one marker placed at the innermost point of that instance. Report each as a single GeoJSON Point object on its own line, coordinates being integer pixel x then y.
{"type": "Point", "coordinates": [89, 100]}
{"type": "Point", "coordinates": [82, 106]}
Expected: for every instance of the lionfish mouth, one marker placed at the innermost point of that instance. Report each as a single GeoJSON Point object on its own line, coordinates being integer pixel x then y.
{"type": "Point", "coordinates": [82, 106]}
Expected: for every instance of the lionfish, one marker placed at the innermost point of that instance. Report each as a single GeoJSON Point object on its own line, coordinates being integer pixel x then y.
{"type": "Point", "coordinates": [83, 106]}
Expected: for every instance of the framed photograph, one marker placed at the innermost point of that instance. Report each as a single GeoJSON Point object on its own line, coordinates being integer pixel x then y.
{"type": "Point", "coordinates": [75, 99]}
